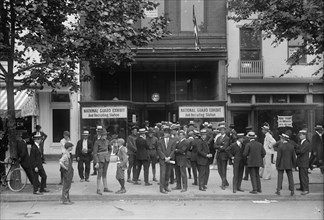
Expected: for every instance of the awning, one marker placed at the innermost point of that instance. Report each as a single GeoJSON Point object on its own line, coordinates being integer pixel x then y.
{"type": "Point", "coordinates": [20, 100]}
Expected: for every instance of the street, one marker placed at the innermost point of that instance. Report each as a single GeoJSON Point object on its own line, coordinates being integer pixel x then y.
{"type": "Point", "coordinates": [145, 209]}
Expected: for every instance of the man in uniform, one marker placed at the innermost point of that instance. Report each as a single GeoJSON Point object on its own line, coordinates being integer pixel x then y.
{"type": "Point", "coordinates": [95, 138]}
{"type": "Point", "coordinates": [151, 141]}
{"type": "Point", "coordinates": [131, 152]}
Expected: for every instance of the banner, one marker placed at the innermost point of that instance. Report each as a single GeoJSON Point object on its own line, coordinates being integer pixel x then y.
{"type": "Point", "coordinates": [104, 112]}
{"type": "Point", "coordinates": [201, 112]}
{"type": "Point", "coordinates": [284, 121]}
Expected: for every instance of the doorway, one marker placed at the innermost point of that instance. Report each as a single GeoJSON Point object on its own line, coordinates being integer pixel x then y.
{"type": "Point", "coordinates": [155, 116]}
{"type": "Point", "coordinates": [241, 121]}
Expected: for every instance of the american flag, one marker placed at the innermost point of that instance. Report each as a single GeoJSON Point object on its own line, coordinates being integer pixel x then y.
{"type": "Point", "coordinates": [195, 28]}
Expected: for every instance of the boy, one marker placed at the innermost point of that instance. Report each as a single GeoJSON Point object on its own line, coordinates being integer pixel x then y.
{"type": "Point", "coordinates": [67, 170]}
{"type": "Point", "coordinates": [121, 165]}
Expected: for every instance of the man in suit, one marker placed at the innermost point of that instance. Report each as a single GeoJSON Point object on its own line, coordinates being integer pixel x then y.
{"type": "Point", "coordinates": [95, 138]}
{"type": "Point", "coordinates": [165, 152]}
{"type": "Point", "coordinates": [131, 152]}
{"type": "Point", "coordinates": [203, 156]}
{"type": "Point", "coordinates": [235, 153]}
{"type": "Point", "coordinates": [221, 144]}
{"type": "Point", "coordinates": [37, 166]}
{"type": "Point", "coordinates": [44, 136]}
{"type": "Point", "coordinates": [23, 151]}
{"type": "Point", "coordinates": [255, 153]}
{"type": "Point", "coordinates": [193, 155]}
{"type": "Point", "coordinates": [245, 141]}
{"type": "Point", "coordinates": [83, 154]}
{"type": "Point", "coordinates": [181, 148]}
{"type": "Point", "coordinates": [317, 155]}
{"type": "Point", "coordinates": [302, 162]}
{"type": "Point", "coordinates": [142, 157]}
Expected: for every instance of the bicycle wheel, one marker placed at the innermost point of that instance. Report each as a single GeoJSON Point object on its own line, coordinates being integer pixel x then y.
{"type": "Point", "coordinates": [17, 179]}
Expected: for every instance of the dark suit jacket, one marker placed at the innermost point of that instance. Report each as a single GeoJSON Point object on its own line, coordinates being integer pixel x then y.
{"type": "Point", "coordinates": [286, 157]}
{"type": "Point", "coordinates": [235, 151]}
{"type": "Point", "coordinates": [78, 150]}
{"type": "Point", "coordinates": [3, 148]}
{"type": "Point", "coordinates": [202, 151]}
{"type": "Point", "coordinates": [142, 148]}
{"type": "Point", "coordinates": [221, 145]}
{"type": "Point", "coordinates": [36, 158]}
{"type": "Point", "coordinates": [193, 149]}
{"type": "Point", "coordinates": [316, 143]}
{"type": "Point", "coordinates": [181, 148]}
{"type": "Point", "coordinates": [302, 152]}
{"type": "Point", "coordinates": [254, 152]}
{"type": "Point", "coordinates": [23, 155]}
{"type": "Point", "coordinates": [165, 151]}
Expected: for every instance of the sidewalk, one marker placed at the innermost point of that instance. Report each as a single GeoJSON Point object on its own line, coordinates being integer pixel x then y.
{"type": "Point", "coordinates": [81, 191]}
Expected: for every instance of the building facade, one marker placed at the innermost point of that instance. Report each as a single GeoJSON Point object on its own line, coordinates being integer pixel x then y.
{"type": "Point", "coordinates": [171, 80]}
{"type": "Point", "coordinates": [256, 90]}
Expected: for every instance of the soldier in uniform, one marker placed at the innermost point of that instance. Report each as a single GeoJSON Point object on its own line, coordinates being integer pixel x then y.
{"type": "Point", "coordinates": [131, 152]}
{"type": "Point", "coordinates": [152, 143]}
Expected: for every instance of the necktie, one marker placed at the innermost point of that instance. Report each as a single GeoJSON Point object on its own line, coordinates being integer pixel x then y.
{"type": "Point", "coordinates": [166, 142]}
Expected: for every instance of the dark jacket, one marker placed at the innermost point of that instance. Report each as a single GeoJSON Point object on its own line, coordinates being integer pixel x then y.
{"type": "Point", "coordinates": [181, 148]}
{"type": "Point", "coordinates": [254, 152]}
{"type": "Point", "coordinates": [165, 151]}
{"type": "Point", "coordinates": [221, 145]}
{"type": "Point", "coordinates": [193, 149]}
{"type": "Point", "coordinates": [302, 152]}
{"type": "Point", "coordinates": [234, 150]}
{"type": "Point", "coordinates": [142, 148]}
{"type": "Point", "coordinates": [23, 155]}
{"type": "Point", "coordinates": [3, 148]}
{"type": "Point", "coordinates": [286, 157]}
{"type": "Point", "coordinates": [131, 145]}
{"type": "Point", "coordinates": [36, 158]}
{"type": "Point", "coordinates": [78, 150]}
{"type": "Point", "coordinates": [202, 151]}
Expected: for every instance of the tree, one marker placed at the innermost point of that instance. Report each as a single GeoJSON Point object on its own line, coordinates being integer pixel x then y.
{"type": "Point", "coordinates": [63, 33]}
{"type": "Point", "coordinates": [286, 20]}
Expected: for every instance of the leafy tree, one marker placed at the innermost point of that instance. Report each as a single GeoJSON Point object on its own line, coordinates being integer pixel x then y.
{"type": "Point", "coordinates": [286, 20]}
{"type": "Point", "coordinates": [62, 34]}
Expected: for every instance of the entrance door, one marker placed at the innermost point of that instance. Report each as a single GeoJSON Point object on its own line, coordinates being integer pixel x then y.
{"type": "Point", "coordinates": [155, 116]}
{"type": "Point", "coordinates": [241, 121]}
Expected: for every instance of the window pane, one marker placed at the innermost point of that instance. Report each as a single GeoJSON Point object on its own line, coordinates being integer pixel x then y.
{"type": "Point", "coordinates": [61, 123]}
{"type": "Point", "coordinates": [187, 14]}
{"type": "Point", "coordinates": [250, 55]}
{"type": "Point", "coordinates": [60, 97]}
{"type": "Point", "coordinates": [318, 98]}
{"type": "Point", "coordinates": [279, 98]}
{"type": "Point", "coordinates": [249, 39]}
{"type": "Point", "coordinates": [262, 98]}
{"type": "Point", "coordinates": [241, 98]}
{"type": "Point", "coordinates": [297, 98]}
{"type": "Point", "coordinates": [152, 14]}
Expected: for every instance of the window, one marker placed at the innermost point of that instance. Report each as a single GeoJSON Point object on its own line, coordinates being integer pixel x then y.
{"type": "Point", "coordinates": [279, 98]}
{"type": "Point", "coordinates": [187, 15]}
{"type": "Point", "coordinates": [318, 98]}
{"type": "Point", "coordinates": [297, 98]}
{"type": "Point", "coordinates": [294, 46]}
{"type": "Point", "coordinates": [152, 14]}
{"type": "Point", "coordinates": [61, 123]}
{"type": "Point", "coordinates": [250, 44]}
{"type": "Point", "coordinates": [262, 98]}
{"type": "Point", "coordinates": [60, 97]}
{"type": "Point", "coordinates": [241, 98]}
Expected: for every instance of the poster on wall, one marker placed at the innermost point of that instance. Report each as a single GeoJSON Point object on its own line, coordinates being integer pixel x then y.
{"type": "Point", "coordinates": [104, 112]}
{"type": "Point", "coordinates": [284, 121]}
{"type": "Point", "coordinates": [201, 112]}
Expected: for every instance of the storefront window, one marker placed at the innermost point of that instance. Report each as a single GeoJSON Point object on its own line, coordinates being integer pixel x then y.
{"type": "Point", "coordinates": [61, 123]}
{"type": "Point", "coordinates": [187, 14]}
{"type": "Point", "coordinates": [262, 98]}
{"type": "Point", "coordinates": [297, 98]}
{"type": "Point", "coordinates": [279, 98]}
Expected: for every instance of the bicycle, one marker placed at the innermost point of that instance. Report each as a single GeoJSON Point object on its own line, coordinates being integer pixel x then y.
{"type": "Point", "coordinates": [14, 178]}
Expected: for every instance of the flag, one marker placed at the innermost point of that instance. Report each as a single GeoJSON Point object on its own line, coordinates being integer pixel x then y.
{"type": "Point", "coordinates": [195, 28]}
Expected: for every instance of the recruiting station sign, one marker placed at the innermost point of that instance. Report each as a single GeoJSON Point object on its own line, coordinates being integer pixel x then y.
{"type": "Point", "coordinates": [104, 112]}
{"type": "Point", "coordinates": [201, 112]}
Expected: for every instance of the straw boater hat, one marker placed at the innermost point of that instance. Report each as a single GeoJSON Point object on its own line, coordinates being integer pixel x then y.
{"type": "Point", "coordinates": [284, 136]}
{"type": "Point", "coordinates": [319, 128]}
{"type": "Point", "coordinates": [251, 134]}
{"type": "Point", "coordinates": [240, 135]}
{"type": "Point", "coordinates": [266, 127]}
{"type": "Point", "coordinates": [191, 123]}
{"type": "Point", "coordinates": [196, 132]}
{"type": "Point", "coordinates": [203, 131]}
{"type": "Point", "coordinates": [182, 131]}
{"type": "Point", "coordinates": [99, 128]}
{"type": "Point", "coordinates": [205, 124]}
{"type": "Point", "coordinates": [85, 133]}
{"type": "Point", "coordinates": [166, 129]}
{"type": "Point", "coordinates": [209, 126]}
{"type": "Point", "coordinates": [142, 130]}
{"type": "Point", "coordinates": [222, 126]}
{"type": "Point", "coordinates": [302, 132]}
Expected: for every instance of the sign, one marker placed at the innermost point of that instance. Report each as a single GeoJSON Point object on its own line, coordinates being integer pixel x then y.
{"type": "Point", "coordinates": [201, 112]}
{"type": "Point", "coordinates": [284, 121]}
{"type": "Point", "coordinates": [104, 112]}
{"type": "Point", "coordinates": [151, 13]}
{"type": "Point", "coordinates": [30, 108]}
{"type": "Point", "coordinates": [155, 97]}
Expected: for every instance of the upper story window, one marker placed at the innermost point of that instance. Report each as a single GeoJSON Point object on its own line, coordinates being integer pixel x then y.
{"type": "Point", "coordinates": [293, 46]}
{"type": "Point", "coordinates": [250, 44]}
{"type": "Point", "coordinates": [60, 97]}
{"type": "Point", "coordinates": [186, 11]}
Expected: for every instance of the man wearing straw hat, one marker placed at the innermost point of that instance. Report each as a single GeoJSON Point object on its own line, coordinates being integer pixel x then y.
{"type": "Point", "coordinates": [83, 154]}
{"type": "Point", "coordinates": [317, 148]}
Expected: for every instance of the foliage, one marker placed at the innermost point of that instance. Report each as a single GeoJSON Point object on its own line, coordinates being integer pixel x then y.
{"type": "Point", "coordinates": [286, 20]}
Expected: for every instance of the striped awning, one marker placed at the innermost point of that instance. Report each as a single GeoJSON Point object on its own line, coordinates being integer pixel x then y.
{"type": "Point", "coordinates": [20, 100]}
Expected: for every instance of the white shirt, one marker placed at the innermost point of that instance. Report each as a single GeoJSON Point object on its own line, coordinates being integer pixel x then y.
{"type": "Point", "coordinates": [269, 141]}
{"type": "Point", "coordinates": [302, 141]}
{"type": "Point", "coordinates": [85, 144]}
{"type": "Point", "coordinates": [166, 140]}
{"type": "Point", "coordinates": [62, 142]}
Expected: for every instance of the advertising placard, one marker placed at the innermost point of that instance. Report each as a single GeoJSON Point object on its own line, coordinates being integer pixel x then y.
{"type": "Point", "coordinates": [285, 121]}
{"type": "Point", "coordinates": [201, 112]}
{"type": "Point", "coordinates": [104, 112]}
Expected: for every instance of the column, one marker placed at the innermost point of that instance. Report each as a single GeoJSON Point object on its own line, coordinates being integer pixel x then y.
{"type": "Point", "coordinates": [221, 81]}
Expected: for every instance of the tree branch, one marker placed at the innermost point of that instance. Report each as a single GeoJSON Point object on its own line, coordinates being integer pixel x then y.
{"type": "Point", "coordinates": [30, 67]}
{"type": "Point", "coordinates": [3, 70]}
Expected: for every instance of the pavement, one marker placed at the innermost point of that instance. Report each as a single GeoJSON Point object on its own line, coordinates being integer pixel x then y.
{"type": "Point", "coordinates": [86, 191]}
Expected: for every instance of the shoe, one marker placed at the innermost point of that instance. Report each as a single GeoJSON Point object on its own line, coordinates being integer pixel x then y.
{"type": "Point", "coordinates": [195, 184]}
{"type": "Point", "coordinates": [167, 190]}
{"type": "Point", "coordinates": [154, 179]}
{"type": "Point", "coordinates": [299, 189]}
{"type": "Point", "coordinates": [107, 190]}
{"type": "Point", "coordinates": [183, 190]}
{"type": "Point", "coordinates": [234, 191]}
{"type": "Point", "coordinates": [81, 180]}
{"type": "Point", "coordinates": [205, 187]}
{"type": "Point", "coordinates": [240, 190]}
{"type": "Point", "coordinates": [67, 203]}
{"type": "Point", "coordinates": [98, 192]}
{"type": "Point", "coordinates": [44, 191]}
{"type": "Point", "coordinates": [202, 189]}
{"type": "Point", "coordinates": [226, 184]}
{"type": "Point", "coordinates": [148, 184]}
{"type": "Point", "coordinates": [259, 191]}
{"type": "Point", "coordinates": [304, 193]}
{"type": "Point", "coordinates": [37, 193]}
{"type": "Point", "coordinates": [136, 183]}
{"type": "Point", "coordinates": [163, 191]}
{"type": "Point", "coordinates": [245, 178]}
{"type": "Point", "coordinates": [176, 188]}
{"type": "Point", "coordinates": [277, 193]}
{"type": "Point", "coordinates": [71, 203]}
{"type": "Point", "coordinates": [121, 191]}
{"type": "Point", "coordinates": [223, 187]}
{"type": "Point", "coordinates": [130, 181]}
{"type": "Point", "coordinates": [292, 193]}
{"type": "Point", "coordinates": [60, 183]}
{"type": "Point", "coordinates": [93, 174]}
{"type": "Point", "coordinates": [87, 180]}
{"type": "Point", "coordinates": [253, 192]}
{"type": "Point", "coordinates": [135, 180]}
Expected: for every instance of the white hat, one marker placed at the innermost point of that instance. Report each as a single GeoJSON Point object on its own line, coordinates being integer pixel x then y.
{"type": "Point", "coordinates": [99, 127]}
{"type": "Point", "coordinates": [85, 132]}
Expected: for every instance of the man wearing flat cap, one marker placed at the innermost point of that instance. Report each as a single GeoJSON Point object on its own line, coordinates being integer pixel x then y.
{"type": "Point", "coordinates": [83, 154]}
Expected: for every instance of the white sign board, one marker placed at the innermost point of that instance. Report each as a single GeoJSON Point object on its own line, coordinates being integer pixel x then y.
{"type": "Point", "coordinates": [201, 112]}
{"type": "Point", "coordinates": [104, 112]}
{"type": "Point", "coordinates": [284, 121]}
{"type": "Point", "coordinates": [151, 13]}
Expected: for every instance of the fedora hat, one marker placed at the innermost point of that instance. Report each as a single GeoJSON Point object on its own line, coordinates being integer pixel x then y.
{"type": "Point", "coordinates": [222, 126]}
{"type": "Point", "coordinates": [284, 136]}
{"type": "Point", "coordinates": [319, 128]}
{"type": "Point", "coordinates": [251, 134]}
{"type": "Point", "coordinates": [196, 132]}
{"type": "Point", "coordinates": [134, 127]}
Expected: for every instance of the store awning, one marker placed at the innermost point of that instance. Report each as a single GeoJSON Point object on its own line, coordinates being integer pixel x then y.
{"type": "Point", "coordinates": [20, 99]}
